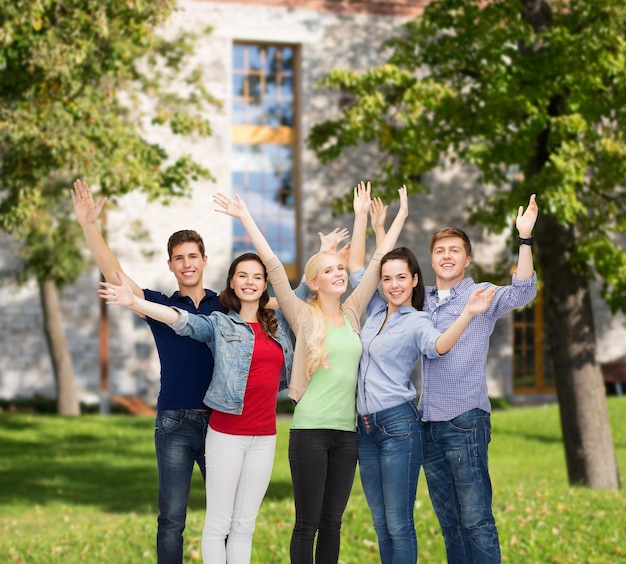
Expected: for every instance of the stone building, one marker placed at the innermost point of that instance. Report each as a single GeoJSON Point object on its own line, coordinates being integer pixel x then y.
{"type": "Point", "coordinates": [263, 61]}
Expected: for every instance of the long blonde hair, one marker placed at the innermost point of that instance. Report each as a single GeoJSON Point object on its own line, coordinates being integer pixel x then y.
{"type": "Point", "coordinates": [316, 355]}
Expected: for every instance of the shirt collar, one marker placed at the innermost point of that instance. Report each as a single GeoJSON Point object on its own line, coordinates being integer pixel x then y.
{"type": "Point", "coordinates": [405, 309]}
{"type": "Point", "coordinates": [457, 289]}
{"type": "Point", "coordinates": [177, 296]}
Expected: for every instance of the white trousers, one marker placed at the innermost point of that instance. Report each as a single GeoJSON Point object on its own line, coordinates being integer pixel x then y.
{"type": "Point", "coordinates": [238, 472]}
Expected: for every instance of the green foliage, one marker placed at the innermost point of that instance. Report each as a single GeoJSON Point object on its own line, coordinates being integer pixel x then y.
{"type": "Point", "coordinates": [78, 80]}
{"type": "Point", "coordinates": [484, 84]}
{"type": "Point", "coordinates": [94, 499]}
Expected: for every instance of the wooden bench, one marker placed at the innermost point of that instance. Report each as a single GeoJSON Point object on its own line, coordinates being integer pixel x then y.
{"type": "Point", "coordinates": [615, 373]}
{"type": "Point", "coordinates": [134, 405]}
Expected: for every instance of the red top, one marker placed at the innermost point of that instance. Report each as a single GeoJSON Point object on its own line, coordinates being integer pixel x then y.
{"type": "Point", "coordinates": [259, 403]}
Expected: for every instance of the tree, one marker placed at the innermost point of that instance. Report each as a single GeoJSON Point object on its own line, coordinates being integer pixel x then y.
{"type": "Point", "coordinates": [536, 86]}
{"type": "Point", "coordinates": [78, 80]}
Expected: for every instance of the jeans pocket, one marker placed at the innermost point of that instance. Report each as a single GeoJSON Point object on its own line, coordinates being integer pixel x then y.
{"type": "Point", "coordinates": [465, 422]}
{"type": "Point", "coordinates": [400, 428]}
{"type": "Point", "coordinates": [168, 421]}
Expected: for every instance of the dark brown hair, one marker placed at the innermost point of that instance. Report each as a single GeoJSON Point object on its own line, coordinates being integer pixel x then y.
{"type": "Point", "coordinates": [229, 299]}
{"type": "Point", "coordinates": [406, 254]}
{"type": "Point", "coordinates": [185, 236]}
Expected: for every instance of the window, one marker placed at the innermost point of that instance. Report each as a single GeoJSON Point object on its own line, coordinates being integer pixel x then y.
{"type": "Point", "coordinates": [532, 364]}
{"type": "Point", "coordinates": [264, 141]}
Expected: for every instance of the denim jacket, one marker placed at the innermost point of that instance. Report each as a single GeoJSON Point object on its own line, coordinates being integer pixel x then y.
{"type": "Point", "coordinates": [231, 341]}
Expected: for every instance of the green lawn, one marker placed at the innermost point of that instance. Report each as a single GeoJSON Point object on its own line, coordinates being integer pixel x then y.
{"type": "Point", "coordinates": [84, 490]}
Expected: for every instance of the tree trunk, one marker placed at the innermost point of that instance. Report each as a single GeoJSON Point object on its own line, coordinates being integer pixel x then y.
{"type": "Point", "coordinates": [580, 387]}
{"type": "Point", "coordinates": [579, 384]}
{"type": "Point", "coordinates": [67, 398]}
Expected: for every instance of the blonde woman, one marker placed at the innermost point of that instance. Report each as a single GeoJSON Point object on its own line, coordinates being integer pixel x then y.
{"type": "Point", "coordinates": [323, 440]}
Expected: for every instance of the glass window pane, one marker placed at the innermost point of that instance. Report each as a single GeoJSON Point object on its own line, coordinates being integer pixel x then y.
{"type": "Point", "coordinates": [238, 56]}
{"type": "Point", "coordinates": [270, 66]}
{"type": "Point", "coordinates": [271, 91]}
{"type": "Point", "coordinates": [271, 113]}
{"type": "Point", "coordinates": [287, 59]}
{"type": "Point", "coordinates": [286, 88]}
{"type": "Point", "coordinates": [239, 113]}
{"type": "Point", "coordinates": [238, 181]}
{"type": "Point", "coordinates": [285, 195]}
{"type": "Point", "coordinates": [254, 114]}
{"type": "Point", "coordinates": [263, 94]}
{"type": "Point", "coordinates": [239, 234]}
{"type": "Point", "coordinates": [530, 336]}
{"type": "Point", "coordinates": [238, 85]}
{"type": "Point", "coordinates": [286, 114]}
{"type": "Point", "coordinates": [253, 89]}
{"type": "Point", "coordinates": [255, 182]}
{"type": "Point", "coordinates": [262, 75]}
{"type": "Point", "coordinates": [267, 177]}
{"type": "Point", "coordinates": [254, 57]}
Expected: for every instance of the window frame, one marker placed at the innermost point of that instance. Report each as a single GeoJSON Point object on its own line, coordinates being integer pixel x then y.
{"type": "Point", "coordinates": [255, 134]}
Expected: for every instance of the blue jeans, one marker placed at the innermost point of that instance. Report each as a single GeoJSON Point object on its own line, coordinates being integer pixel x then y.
{"type": "Point", "coordinates": [323, 463]}
{"type": "Point", "coordinates": [390, 456]}
{"type": "Point", "coordinates": [179, 436]}
{"type": "Point", "coordinates": [455, 465]}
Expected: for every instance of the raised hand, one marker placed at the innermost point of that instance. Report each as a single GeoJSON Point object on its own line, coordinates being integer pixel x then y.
{"type": "Point", "coordinates": [362, 199]}
{"type": "Point", "coordinates": [86, 210]}
{"type": "Point", "coordinates": [390, 238]}
{"type": "Point", "coordinates": [235, 208]}
{"type": "Point", "coordinates": [344, 253]}
{"type": "Point", "coordinates": [404, 199]}
{"type": "Point", "coordinates": [525, 221]}
{"type": "Point", "coordinates": [121, 294]}
{"type": "Point", "coordinates": [378, 216]}
{"type": "Point", "coordinates": [330, 241]}
{"type": "Point", "coordinates": [481, 299]}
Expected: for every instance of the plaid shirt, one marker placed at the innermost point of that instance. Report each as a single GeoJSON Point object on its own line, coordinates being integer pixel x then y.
{"type": "Point", "coordinates": [456, 382]}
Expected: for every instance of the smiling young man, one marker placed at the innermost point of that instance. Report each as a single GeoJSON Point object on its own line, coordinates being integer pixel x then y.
{"type": "Point", "coordinates": [186, 368]}
{"type": "Point", "coordinates": [454, 406]}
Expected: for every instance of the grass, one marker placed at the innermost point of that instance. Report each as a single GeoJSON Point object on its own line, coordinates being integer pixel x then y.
{"type": "Point", "coordinates": [84, 490]}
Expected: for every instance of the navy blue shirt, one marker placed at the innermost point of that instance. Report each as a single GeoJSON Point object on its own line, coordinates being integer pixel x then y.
{"type": "Point", "coordinates": [186, 364]}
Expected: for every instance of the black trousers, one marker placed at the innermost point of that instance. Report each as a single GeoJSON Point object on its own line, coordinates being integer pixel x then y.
{"type": "Point", "coordinates": [322, 462]}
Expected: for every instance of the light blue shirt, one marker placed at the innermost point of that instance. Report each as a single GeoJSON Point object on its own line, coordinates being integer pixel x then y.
{"type": "Point", "coordinates": [389, 354]}
{"type": "Point", "coordinates": [457, 381]}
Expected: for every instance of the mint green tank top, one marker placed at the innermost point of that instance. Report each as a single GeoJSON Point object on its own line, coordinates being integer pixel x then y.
{"type": "Point", "coordinates": [329, 402]}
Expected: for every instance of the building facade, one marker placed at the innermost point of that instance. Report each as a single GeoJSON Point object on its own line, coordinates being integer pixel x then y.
{"type": "Point", "coordinates": [263, 60]}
